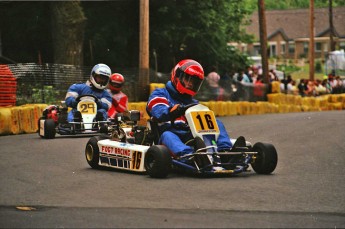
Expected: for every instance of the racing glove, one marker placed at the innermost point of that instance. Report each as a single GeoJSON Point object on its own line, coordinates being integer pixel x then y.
{"type": "Point", "coordinates": [74, 103]}
{"type": "Point", "coordinates": [176, 111]}
{"type": "Point", "coordinates": [99, 104]}
{"type": "Point", "coordinates": [115, 103]}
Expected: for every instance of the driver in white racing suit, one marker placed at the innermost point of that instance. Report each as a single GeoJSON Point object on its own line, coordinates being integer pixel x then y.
{"type": "Point", "coordinates": [96, 86]}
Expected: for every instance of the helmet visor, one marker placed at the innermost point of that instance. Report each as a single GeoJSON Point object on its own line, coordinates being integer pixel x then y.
{"type": "Point", "coordinates": [190, 82]}
{"type": "Point", "coordinates": [102, 80]}
{"type": "Point", "coordinates": [114, 84]}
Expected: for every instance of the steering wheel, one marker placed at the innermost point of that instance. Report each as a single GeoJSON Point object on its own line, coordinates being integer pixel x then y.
{"type": "Point", "coordinates": [183, 110]}
{"type": "Point", "coordinates": [83, 97]}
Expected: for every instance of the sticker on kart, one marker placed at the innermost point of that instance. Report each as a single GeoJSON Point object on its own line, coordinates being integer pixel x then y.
{"type": "Point", "coordinates": [87, 107]}
{"type": "Point", "coordinates": [205, 122]}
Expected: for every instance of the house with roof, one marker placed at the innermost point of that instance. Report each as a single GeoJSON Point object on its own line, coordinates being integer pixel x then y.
{"type": "Point", "coordinates": [288, 33]}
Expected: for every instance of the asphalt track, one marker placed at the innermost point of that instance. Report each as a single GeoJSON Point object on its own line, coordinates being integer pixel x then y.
{"type": "Point", "coordinates": [48, 184]}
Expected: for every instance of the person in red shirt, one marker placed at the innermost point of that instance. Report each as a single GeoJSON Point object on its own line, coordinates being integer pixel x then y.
{"type": "Point", "coordinates": [119, 99]}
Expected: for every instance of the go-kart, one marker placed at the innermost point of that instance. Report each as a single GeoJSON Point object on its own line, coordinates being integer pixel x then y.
{"type": "Point", "coordinates": [135, 148]}
{"type": "Point", "coordinates": [54, 119]}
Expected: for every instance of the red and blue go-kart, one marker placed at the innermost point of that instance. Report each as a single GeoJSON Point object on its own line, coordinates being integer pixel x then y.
{"type": "Point", "coordinates": [54, 119]}
{"type": "Point", "coordinates": [134, 148]}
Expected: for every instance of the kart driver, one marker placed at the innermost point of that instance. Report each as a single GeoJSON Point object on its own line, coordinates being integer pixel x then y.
{"type": "Point", "coordinates": [165, 104]}
{"type": "Point", "coordinates": [119, 99]}
{"type": "Point", "coordinates": [96, 86]}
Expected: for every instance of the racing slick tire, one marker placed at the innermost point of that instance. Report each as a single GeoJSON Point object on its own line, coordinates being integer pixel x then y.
{"type": "Point", "coordinates": [49, 128]}
{"type": "Point", "coordinates": [266, 159]}
{"type": "Point", "coordinates": [157, 161]}
{"type": "Point", "coordinates": [92, 151]}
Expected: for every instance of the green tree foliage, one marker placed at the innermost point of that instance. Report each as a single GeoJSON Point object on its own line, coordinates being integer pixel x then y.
{"type": "Point", "coordinates": [196, 29]}
{"type": "Point", "coordinates": [294, 4]}
{"type": "Point", "coordinates": [112, 33]}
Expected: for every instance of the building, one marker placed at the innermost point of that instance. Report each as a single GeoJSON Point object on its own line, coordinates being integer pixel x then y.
{"type": "Point", "coordinates": [288, 33]}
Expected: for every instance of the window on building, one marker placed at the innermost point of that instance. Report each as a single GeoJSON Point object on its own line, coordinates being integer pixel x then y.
{"type": "Point", "coordinates": [291, 47]}
{"type": "Point", "coordinates": [273, 50]}
{"type": "Point", "coordinates": [318, 47]}
{"type": "Point", "coordinates": [257, 50]}
{"type": "Point", "coordinates": [282, 48]}
{"type": "Point", "coordinates": [305, 47]}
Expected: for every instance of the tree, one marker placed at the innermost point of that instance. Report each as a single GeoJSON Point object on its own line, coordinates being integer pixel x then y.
{"type": "Point", "coordinates": [68, 22]}
{"type": "Point", "coordinates": [195, 29]}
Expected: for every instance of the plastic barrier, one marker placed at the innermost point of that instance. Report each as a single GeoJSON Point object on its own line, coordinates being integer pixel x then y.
{"type": "Point", "coordinates": [15, 121]}
{"type": "Point", "coordinates": [24, 119]}
{"type": "Point", "coordinates": [275, 87]}
{"type": "Point", "coordinates": [154, 86]}
{"type": "Point", "coordinates": [27, 119]}
{"type": "Point", "coordinates": [232, 108]}
{"type": "Point", "coordinates": [36, 111]}
{"type": "Point", "coordinates": [5, 121]}
{"type": "Point", "coordinates": [8, 86]}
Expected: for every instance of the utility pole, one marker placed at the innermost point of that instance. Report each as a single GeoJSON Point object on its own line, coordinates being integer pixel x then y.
{"type": "Point", "coordinates": [311, 41]}
{"type": "Point", "coordinates": [263, 40]}
{"type": "Point", "coordinates": [143, 81]}
{"type": "Point", "coordinates": [331, 27]}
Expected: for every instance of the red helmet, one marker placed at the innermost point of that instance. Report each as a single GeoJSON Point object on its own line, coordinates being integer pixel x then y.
{"type": "Point", "coordinates": [116, 82]}
{"type": "Point", "coordinates": [187, 77]}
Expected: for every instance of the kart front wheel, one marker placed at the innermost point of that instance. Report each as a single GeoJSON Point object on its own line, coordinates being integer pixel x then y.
{"type": "Point", "coordinates": [49, 130]}
{"type": "Point", "coordinates": [158, 161]}
{"type": "Point", "coordinates": [92, 152]}
{"type": "Point", "coordinates": [266, 158]}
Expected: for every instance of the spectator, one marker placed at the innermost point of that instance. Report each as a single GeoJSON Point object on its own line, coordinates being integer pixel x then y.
{"type": "Point", "coordinates": [217, 92]}
{"type": "Point", "coordinates": [302, 87]}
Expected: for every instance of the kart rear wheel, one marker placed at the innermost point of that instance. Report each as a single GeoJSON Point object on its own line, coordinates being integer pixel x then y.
{"type": "Point", "coordinates": [49, 128]}
{"type": "Point", "coordinates": [158, 161]}
{"type": "Point", "coordinates": [266, 159]}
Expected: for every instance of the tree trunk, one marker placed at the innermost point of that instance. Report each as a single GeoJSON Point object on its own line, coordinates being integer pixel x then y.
{"type": "Point", "coordinates": [68, 23]}
{"type": "Point", "coordinates": [143, 82]}
{"type": "Point", "coordinates": [263, 40]}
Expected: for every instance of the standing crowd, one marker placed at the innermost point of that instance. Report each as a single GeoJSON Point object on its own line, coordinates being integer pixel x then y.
{"type": "Point", "coordinates": [247, 84]}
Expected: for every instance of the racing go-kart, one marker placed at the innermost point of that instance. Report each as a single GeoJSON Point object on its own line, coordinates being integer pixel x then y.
{"type": "Point", "coordinates": [135, 148]}
{"type": "Point", "coordinates": [54, 119]}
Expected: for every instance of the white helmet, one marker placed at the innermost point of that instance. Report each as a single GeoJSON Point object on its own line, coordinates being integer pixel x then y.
{"type": "Point", "coordinates": [100, 76]}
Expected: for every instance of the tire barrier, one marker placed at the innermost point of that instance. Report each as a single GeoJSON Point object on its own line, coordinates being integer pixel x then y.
{"type": "Point", "coordinates": [24, 119]}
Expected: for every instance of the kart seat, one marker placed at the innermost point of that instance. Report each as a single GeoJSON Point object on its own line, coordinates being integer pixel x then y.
{"type": "Point", "coordinates": [154, 130]}
{"type": "Point", "coordinates": [240, 143]}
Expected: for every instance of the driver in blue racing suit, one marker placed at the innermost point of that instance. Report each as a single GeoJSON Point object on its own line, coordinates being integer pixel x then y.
{"type": "Point", "coordinates": [96, 86]}
{"type": "Point", "coordinates": [164, 104]}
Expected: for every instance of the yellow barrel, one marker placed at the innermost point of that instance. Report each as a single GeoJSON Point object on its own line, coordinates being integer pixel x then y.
{"type": "Point", "coordinates": [5, 120]}
{"type": "Point", "coordinates": [232, 108]}
{"type": "Point", "coordinates": [16, 126]}
{"type": "Point", "coordinates": [27, 119]}
{"type": "Point", "coordinates": [154, 86]}
{"type": "Point", "coordinates": [275, 87]}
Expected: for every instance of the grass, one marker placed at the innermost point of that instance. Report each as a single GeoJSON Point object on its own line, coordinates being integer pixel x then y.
{"type": "Point", "coordinates": [302, 72]}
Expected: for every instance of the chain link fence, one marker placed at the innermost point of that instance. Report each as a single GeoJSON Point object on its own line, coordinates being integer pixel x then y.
{"type": "Point", "coordinates": [48, 83]}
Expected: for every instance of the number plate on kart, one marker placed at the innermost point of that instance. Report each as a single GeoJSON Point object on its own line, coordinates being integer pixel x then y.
{"type": "Point", "coordinates": [87, 107]}
{"type": "Point", "coordinates": [205, 122]}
